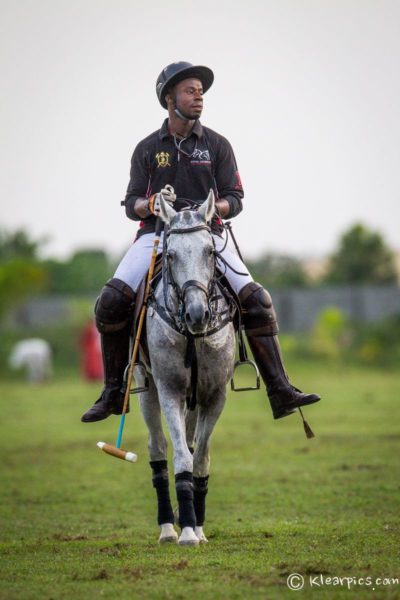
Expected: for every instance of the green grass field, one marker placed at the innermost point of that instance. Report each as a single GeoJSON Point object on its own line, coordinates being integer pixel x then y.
{"type": "Point", "coordinates": [78, 524]}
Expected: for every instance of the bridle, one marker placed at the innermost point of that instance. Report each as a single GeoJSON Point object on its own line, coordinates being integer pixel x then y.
{"type": "Point", "coordinates": [180, 291]}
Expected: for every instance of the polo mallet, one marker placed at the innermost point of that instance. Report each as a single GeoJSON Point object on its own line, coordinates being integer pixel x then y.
{"type": "Point", "coordinates": [116, 450]}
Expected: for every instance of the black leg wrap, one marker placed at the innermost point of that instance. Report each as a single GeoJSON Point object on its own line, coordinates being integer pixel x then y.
{"type": "Point", "coordinates": [200, 485]}
{"type": "Point", "coordinates": [185, 496]}
{"type": "Point", "coordinates": [165, 513]}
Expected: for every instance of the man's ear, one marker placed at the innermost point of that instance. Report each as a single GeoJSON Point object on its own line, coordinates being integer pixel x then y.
{"type": "Point", "coordinates": [170, 98]}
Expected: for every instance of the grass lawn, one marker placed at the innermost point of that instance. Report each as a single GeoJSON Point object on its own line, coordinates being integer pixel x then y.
{"type": "Point", "coordinates": [78, 524]}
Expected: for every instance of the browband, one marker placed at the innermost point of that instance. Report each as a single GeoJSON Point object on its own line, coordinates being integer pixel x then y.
{"type": "Point", "coordinates": [189, 229]}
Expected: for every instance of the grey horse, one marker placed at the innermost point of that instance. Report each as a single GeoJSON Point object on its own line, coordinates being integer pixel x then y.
{"type": "Point", "coordinates": [190, 262]}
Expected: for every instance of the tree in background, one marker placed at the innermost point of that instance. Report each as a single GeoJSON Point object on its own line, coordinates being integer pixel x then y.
{"type": "Point", "coordinates": [21, 273]}
{"type": "Point", "coordinates": [278, 271]}
{"type": "Point", "coordinates": [85, 272]}
{"type": "Point", "coordinates": [24, 274]}
{"type": "Point", "coordinates": [362, 257]}
{"type": "Point", "coordinates": [19, 245]}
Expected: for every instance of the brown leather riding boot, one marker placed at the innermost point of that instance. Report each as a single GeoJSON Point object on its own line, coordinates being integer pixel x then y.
{"type": "Point", "coordinates": [115, 347]}
{"type": "Point", "coordinates": [284, 397]}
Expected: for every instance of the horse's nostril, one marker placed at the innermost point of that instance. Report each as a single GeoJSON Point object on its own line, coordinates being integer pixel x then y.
{"type": "Point", "coordinates": [187, 317]}
{"type": "Point", "coordinates": [207, 315]}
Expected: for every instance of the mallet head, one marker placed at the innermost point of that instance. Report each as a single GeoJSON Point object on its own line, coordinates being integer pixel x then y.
{"type": "Point", "coordinates": [117, 452]}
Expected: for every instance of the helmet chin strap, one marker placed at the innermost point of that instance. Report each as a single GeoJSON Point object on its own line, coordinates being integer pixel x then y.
{"type": "Point", "coordinates": [182, 116]}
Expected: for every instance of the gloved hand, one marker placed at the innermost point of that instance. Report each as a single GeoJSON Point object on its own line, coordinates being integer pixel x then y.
{"type": "Point", "coordinates": [167, 193]}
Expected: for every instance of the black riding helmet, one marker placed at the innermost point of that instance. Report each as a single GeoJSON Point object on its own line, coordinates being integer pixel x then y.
{"type": "Point", "coordinates": [176, 72]}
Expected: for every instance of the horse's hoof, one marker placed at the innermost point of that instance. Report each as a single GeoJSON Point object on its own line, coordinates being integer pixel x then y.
{"type": "Point", "coordinates": [188, 537]}
{"type": "Point", "coordinates": [200, 535]}
{"type": "Point", "coordinates": [168, 534]}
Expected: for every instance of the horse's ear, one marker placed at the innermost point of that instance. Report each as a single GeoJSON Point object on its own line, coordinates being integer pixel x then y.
{"type": "Point", "coordinates": [207, 209]}
{"type": "Point", "coordinates": [167, 213]}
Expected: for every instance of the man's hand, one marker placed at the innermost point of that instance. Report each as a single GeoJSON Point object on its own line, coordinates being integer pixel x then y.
{"type": "Point", "coordinates": [167, 193]}
{"type": "Point", "coordinates": [222, 207]}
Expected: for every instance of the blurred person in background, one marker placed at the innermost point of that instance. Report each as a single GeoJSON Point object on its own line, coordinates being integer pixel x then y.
{"type": "Point", "coordinates": [91, 357]}
{"type": "Point", "coordinates": [35, 356]}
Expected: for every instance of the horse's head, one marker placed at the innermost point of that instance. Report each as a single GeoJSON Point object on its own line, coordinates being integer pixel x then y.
{"type": "Point", "coordinates": [191, 260]}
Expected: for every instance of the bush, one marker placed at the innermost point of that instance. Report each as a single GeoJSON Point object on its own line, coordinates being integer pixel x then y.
{"type": "Point", "coordinates": [337, 338]}
{"type": "Point", "coordinates": [378, 343]}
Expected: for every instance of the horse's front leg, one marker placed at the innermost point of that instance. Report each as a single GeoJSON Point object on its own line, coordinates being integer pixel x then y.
{"type": "Point", "coordinates": [207, 418]}
{"type": "Point", "coordinates": [172, 403]}
{"type": "Point", "coordinates": [157, 444]}
{"type": "Point", "coordinates": [191, 421]}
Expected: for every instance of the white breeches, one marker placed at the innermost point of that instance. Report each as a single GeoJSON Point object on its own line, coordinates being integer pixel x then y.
{"type": "Point", "coordinates": [134, 265]}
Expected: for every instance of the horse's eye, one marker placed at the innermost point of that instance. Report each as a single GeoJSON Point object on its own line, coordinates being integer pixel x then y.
{"type": "Point", "coordinates": [170, 255]}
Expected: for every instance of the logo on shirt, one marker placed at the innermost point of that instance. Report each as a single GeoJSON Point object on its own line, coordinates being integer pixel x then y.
{"type": "Point", "coordinates": [200, 157]}
{"type": "Point", "coordinates": [163, 159]}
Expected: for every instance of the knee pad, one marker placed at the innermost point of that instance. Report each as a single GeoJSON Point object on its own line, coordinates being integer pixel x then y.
{"type": "Point", "coordinates": [114, 307]}
{"type": "Point", "coordinates": [258, 313]}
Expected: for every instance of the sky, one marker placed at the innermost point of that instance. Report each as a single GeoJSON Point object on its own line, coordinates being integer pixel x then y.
{"type": "Point", "coordinates": [306, 91]}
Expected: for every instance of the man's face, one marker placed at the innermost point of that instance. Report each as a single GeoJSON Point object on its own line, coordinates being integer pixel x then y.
{"type": "Point", "coordinates": [188, 95]}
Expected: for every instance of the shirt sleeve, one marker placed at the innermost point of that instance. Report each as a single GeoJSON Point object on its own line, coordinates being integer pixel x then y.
{"type": "Point", "coordinates": [139, 183]}
{"type": "Point", "coordinates": [227, 178]}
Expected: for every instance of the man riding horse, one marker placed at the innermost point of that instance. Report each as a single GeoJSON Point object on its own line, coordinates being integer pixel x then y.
{"type": "Point", "coordinates": [184, 160]}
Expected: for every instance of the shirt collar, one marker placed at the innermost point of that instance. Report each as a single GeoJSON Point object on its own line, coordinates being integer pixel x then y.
{"type": "Point", "coordinates": [197, 130]}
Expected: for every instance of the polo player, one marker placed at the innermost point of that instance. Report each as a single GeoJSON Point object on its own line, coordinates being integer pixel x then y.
{"type": "Point", "coordinates": [184, 160]}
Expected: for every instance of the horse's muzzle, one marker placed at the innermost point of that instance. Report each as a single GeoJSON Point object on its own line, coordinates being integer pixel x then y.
{"type": "Point", "coordinates": [197, 317]}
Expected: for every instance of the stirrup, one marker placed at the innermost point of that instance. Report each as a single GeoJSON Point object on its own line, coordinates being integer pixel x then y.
{"type": "Point", "coordinates": [137, 390]}
{"type": "Point", "coordinates": [240, 363]}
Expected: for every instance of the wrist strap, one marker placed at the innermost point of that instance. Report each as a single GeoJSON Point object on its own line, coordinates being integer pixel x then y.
{"type": "Point", "coordinates": [152, 199]}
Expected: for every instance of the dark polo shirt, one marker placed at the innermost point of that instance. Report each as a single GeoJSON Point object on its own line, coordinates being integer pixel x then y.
{"type": "Point", "coordinates": [202, 161]}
